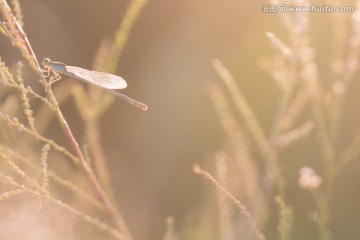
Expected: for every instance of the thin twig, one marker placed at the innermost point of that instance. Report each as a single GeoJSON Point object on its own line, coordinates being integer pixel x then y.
{"type": "Point", "coordinates": [237, 202]}
{"type": "Point", "coordinates": [21, 127]}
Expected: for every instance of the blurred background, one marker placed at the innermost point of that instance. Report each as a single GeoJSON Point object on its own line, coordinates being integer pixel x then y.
{"type": "Point", "coordinates": [167, 63]}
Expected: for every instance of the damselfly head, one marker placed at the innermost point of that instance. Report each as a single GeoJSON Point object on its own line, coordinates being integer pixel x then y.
{"type": "Point", "coordinates": [46, 62]}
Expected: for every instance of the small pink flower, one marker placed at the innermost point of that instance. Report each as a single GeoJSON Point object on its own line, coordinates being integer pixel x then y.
{"type": "Point", "coordinates": [308, 179]}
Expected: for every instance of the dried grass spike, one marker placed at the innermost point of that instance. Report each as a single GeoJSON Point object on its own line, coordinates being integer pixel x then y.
{"type": "Point", "coordinates": [15, 167]}
{"type": "Point", "coordinates": [258, 236]}
{"type": "Point", "coordinates": [278, 44]}
{"type": "Point", "coordinates": [170, 230]}
{"type": "Point", "coordinates": [123, 32]}
{"type": "Point", "coordinates": [295, 134]}
{"type": "Point", "coordinates": [5, 76]}
{"type": "Point", "coordinates": [26, 104]}
{"type": "Point", "coordinates": [18, 11]}
{"type": "Point", "coordinates": [43, 159]}
{"type": "Point", "coordinates": [10, 194]}
{"type": "Point", "coordinates": [244, 108]}
{"type": "Point", "coordinates": [19, 77]}
{"type": "Point", "coordinates": [285, 219]}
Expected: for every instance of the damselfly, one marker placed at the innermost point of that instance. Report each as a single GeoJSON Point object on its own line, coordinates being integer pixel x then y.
{"type": "Point", "coordinates": [106, 81]}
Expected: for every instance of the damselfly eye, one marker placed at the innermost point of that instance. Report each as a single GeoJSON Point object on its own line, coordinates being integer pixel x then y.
{"type": "Point", "coordinates": [46, 61]}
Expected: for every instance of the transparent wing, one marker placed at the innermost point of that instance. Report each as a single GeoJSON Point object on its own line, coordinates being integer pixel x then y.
{"type": "Point", "coordinates": [105, 80]}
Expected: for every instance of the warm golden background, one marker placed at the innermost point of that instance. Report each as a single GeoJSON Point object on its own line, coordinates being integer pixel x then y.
{"type": "Point", "coordinates": [167, 62]}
